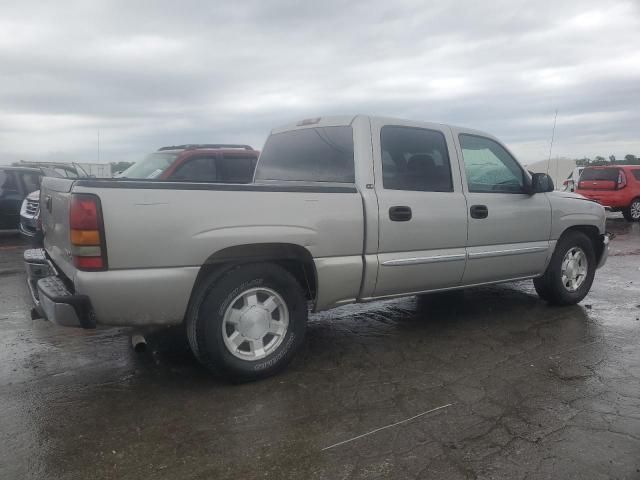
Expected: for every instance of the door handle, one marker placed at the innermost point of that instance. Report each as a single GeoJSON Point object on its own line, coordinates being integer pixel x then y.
{"type": "Point", "coordinates": [400, 213]}
{"type": "Point", "coordinates": [479, 211]}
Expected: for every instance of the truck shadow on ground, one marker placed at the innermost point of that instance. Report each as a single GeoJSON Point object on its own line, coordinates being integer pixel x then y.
{"type": "Point", "coordinates": [389, 333]}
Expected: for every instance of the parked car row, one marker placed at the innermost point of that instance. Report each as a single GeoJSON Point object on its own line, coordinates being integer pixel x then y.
{"type": "Point", "coordinates": [341, 210]}
{"type": "Point", "coordinates": [224, 163]}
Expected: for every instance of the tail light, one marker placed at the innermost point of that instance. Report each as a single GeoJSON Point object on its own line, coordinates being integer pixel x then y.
{"type": "Point", "coordinates": [88, 247]}
{"type": "Point", "coordinates": [622, 180]}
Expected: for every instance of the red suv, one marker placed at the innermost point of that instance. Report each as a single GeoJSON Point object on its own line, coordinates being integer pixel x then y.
{"type": "Point", "coordinates": [617, 188]}
{"type": "Point", "coordinates": [225, 163]}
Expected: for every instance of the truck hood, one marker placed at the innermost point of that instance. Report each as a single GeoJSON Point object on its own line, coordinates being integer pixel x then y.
{"type": "Point", "coordinates": [561, 194]}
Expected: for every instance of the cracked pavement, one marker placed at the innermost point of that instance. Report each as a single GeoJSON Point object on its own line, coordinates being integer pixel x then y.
{"type": "Point", "coordinates": [537, 392]}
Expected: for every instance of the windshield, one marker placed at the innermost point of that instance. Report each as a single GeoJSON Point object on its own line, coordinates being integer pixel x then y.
{"type": "Point", "coordinates": [151, 166]}
{"type": "Point", "coordinates": [610, 174]}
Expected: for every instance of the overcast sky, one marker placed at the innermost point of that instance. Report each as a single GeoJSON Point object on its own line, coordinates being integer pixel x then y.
{"type": "Point", "coordinates": [151, 73]}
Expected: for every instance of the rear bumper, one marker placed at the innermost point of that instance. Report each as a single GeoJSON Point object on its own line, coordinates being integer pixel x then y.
{"type": "Point", "coordinates": [607, 198]}
{"type": "Point", "coordinates": [53, 299]}
{"type": "Point", "coordinates": [61, 306]}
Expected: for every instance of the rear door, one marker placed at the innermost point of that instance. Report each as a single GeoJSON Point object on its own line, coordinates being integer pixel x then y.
{"type": "Point", "coordinates": [10, 199]}
{"type": "Point", "coordinates": [509, 229]}
{"type": "Point", "coordinates": [421, 208]}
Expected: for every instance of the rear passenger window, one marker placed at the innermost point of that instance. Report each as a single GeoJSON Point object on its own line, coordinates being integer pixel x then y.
{"type": "Point", "coordinates": [236, 169]}
{"type": "Point", "coordinates": [323, 154]}
{"type": "Point", "coordinates": [201, 169]}
{"type": "Point", "coordinates": [415, 159]}
{"type": "Point", "coordinates": [636, 173]}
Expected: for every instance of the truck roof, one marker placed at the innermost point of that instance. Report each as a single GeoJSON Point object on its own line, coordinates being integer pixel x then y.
{"type": "Point", "coordinates": [344, 120]}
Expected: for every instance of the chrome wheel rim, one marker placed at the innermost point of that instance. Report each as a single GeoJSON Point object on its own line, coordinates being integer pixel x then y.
{"type": "Point", "coordinates": [635, 210]}
{"type": "Point", "coordinates": [255, 323]}
{"type": "Point", "coordinates": [574, 269]}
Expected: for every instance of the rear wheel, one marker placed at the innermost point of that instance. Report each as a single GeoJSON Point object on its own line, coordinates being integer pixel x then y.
{"type": "Point", "coordinates": [248, 323]}
{"type": "Point", "coordinates": [632, 213]}
{"type": "Point", "coordinates": [570, 272]}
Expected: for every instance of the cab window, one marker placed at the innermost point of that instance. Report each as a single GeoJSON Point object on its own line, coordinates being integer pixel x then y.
{"type": "Point", "coordinates": [415, 159]}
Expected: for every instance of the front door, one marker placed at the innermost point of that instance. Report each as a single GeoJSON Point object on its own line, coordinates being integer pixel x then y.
{"type": "Point", "coordinates": [421, 208]}
{"type": "Point", "coordinates": [509, 229]}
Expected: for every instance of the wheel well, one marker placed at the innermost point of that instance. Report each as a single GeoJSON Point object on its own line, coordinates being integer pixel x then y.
{"type": "Point", "coordinates": [295, 259]}
{"type": "Point", "coordinates": [594, 235]}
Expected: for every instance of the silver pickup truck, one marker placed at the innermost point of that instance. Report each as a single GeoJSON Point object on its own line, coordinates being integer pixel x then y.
{"type": "Point", "coordinates": [342, 210]}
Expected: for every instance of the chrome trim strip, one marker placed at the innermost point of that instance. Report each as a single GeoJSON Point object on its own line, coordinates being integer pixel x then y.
{"type": "Point", "coordinates": [511, 251]}
{"type": "Point", "coordinates": [421, 260]}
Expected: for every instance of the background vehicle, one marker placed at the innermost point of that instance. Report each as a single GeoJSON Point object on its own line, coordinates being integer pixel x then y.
{"type": "Point", "coordinates": [30, 209]}
{"type": "Point", "coordinates": [15, 184]}
{"type": "Point", "coordinates": [225, 163]}
{"type": "Point", "coordinates": [570, 184]}
{"type": "Point", "coordinates": [343, 209]}
{"type": "Point", "coordinates": [617, 188]}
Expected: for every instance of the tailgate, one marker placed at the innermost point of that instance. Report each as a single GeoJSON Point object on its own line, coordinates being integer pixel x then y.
{"type": "Point", "coordinates": [597, 185]}
{"type": "Point", "coordinates": [55, 195]}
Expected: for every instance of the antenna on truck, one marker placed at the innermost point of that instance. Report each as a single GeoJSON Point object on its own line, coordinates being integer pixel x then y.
{"type": "Point", "coordinates": [553, 133]}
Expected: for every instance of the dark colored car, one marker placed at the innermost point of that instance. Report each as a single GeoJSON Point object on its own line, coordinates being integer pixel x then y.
{"type": "Point", "coordinates": [220, 163]}
{"type": "Point", "coordinates": [15, 184]}
{"type": "Point", "coordinates": [30, 210]}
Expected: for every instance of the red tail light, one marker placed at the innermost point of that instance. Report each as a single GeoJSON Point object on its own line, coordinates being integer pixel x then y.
{"type": "Point", "coordinates": [87, 232]}
{"type": "Point", "coordinates": [622, 180]}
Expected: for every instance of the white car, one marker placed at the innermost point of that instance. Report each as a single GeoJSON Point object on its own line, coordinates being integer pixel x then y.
{"type": "Point", "coordinates": [572, 180]}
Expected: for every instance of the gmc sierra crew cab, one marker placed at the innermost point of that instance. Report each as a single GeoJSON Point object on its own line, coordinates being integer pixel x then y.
{"type": "Point", "coordinates": [342, 209]}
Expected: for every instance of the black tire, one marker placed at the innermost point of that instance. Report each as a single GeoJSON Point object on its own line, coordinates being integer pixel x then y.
{"type": "Point", "coordinates": [632, 212]}
{"type": "Point", "coordinates": [550, 286]}
{"type": "Point", "coordinates": [213, 298]}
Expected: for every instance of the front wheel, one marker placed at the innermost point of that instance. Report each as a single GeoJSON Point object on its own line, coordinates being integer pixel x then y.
{"type": "Point", "coordinates": [570, 272]}
{"type": "Point", "coordinates": [632, 213]}
{"type": "Point", "coordinates": [248, 323]}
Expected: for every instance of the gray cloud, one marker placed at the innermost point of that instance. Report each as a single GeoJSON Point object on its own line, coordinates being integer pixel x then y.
{"type": "Point", "coordinates": [152, 73]}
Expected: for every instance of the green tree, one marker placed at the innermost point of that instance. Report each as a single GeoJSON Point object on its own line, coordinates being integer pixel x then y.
{"type": "Point", "coordinates": [632, 159]}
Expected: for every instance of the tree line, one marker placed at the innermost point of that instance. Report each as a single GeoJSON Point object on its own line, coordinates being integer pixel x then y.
{"type": "Point", "coordinates": [612, 160]}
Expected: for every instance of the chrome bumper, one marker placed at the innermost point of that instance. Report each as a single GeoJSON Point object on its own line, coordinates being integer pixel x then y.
{"type": "Point", "coordinates": [52, 297]}
{"type": "Point", "coordinates": [606, 238]}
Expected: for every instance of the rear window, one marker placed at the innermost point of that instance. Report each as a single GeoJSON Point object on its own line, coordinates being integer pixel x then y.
{"type": "Point", "coordinates": [609, 174]}
{"type": "Point", "coordinates": [323, 154]}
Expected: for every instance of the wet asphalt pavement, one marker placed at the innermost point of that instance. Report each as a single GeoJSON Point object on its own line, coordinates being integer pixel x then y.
{"type": "Point", "coordinates": [532, 391]}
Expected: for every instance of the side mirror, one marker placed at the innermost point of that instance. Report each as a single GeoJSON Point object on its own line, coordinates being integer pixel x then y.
{"type": "Point", "coordinates": [541, 183]}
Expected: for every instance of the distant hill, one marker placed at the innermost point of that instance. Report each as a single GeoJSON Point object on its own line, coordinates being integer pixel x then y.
{"type": "Point", "coordinates": [559, 168]}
